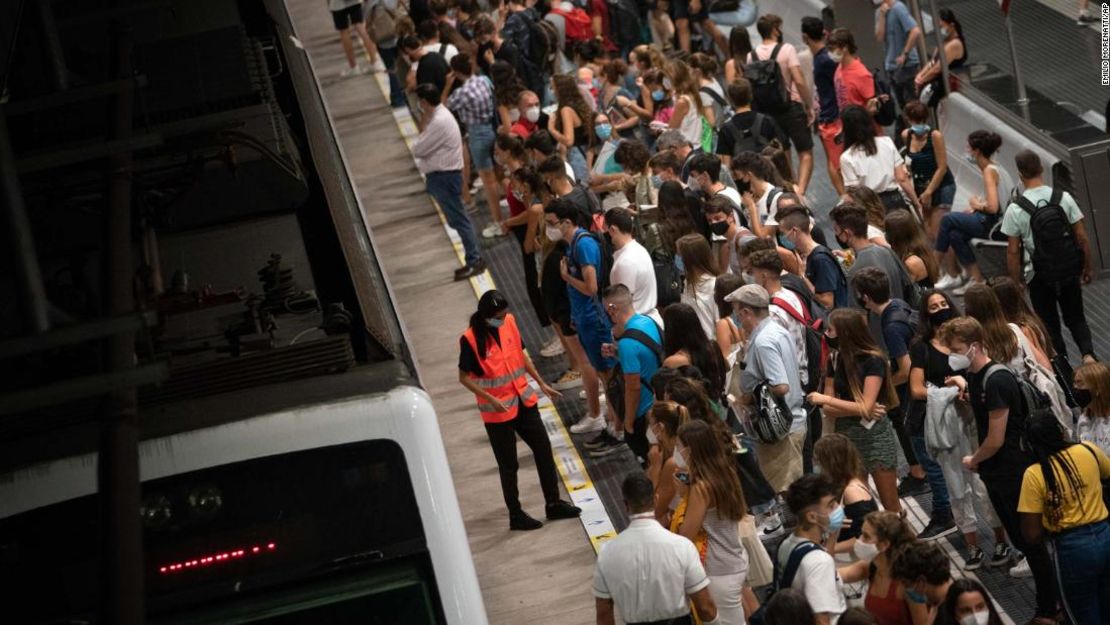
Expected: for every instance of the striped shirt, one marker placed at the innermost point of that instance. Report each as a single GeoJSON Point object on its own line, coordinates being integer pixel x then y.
{"type": "Point", "coordinates": [473, 101]}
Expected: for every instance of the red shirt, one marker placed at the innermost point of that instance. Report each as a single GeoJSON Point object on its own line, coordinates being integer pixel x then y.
{"type": "Point", "coordinates": [854, 85]}
{"type": "Point", "coordinates": [516, 207]}
{"type": "Point", "coordinates": [523, 128]}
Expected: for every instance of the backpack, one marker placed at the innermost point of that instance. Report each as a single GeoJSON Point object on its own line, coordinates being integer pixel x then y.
{"type": "Point", "coordinates": [1033, 401]}
{"type": "Point", "coordinates": [723, 111]}
{"type": "Point", "coordinates": [1056, 256]}
{"type": "Point", "coordinates": [749, 139]}
{"type": "Point", "coordinates": [669, 281]}
{"type": "Point", "coordinates": [543, 44]}
{"type": "Point", "coordinates": [769, 94]}
{"type": "Point", "coordinates": [382, 23]}
{"type": "Point", "coordinates": [605, 264]}
{"type": "Point", "coordinates": [625, 25]}
{"type": "Point", "coordinates": [578, 25]}
{"type": "Point", "coordinates": [614, 388]}
{"type": "Point", "coordinates": [912, 292]}
{"type": "Point", "coordinates": [784, 578]}
{"type": "Point", "coordinates": [813, 330]}
{"type": "Point", "coordinates": [771, 418]}
{"type": "Point", "coordinates": [884, 92]}
{"type": "Point", "coordinates": [842, 281]}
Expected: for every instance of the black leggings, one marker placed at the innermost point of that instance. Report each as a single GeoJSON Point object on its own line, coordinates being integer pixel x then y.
{"type": "Point", "coordinates": [502, 437]}
{"type": "Point", "coordinates": [531, 277]}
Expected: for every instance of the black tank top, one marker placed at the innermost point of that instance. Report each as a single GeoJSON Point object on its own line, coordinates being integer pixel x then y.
{"type": "Point", "coordinates": [923, 164]}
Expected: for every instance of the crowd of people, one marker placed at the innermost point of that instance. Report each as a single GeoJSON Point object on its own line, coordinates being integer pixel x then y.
{"type": "Point", "coordinates": [653, 162]}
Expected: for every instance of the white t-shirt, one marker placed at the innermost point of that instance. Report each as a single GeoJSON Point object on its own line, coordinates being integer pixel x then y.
{"type": "Point", "coordinates": [793, 326]}
{"type": "Point", "coordinates": [448, 53]}
{"type": "Point", "coordinates": [876, 172]}
{"type": "Point", "coordinates": [816, 579]}
{"type": "Point", "coordinates": [1094, 430]}
{"type": "Point", "coordinates": [632, 267]}
{"type": "Point", "coordinates": [703, 303]}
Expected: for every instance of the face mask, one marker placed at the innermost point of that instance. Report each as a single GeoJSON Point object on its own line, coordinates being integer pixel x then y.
{"type": "Point", "coordinates": [915, 597]}
{"type": "Point", "coordinates": [876, 2]}
{"type": "Point", "coordinates": [969, 157]}
{"type": "Point", "coordinates": [861, 302]}
{"type": "Point", "coordinates": [786, 243]}
{"type": "Point", "coordinates": [843, 239]}
{"type": "Point", "coordinates": [518, 195]}
{"type": "Point", "coordinates": [959, 362]}
{"type": "Point", "coordinates": [836, 519]}
{"type": "Point", "coordinates": [1082, 397]}
{"type": "Point", "coordinates": [658, 95]}
{"type": "Point", "coordinates": [920, 129]}
{"type": "Point", "coordinates": [679, 459]}
{"type": "Point", "coordinates": [554, 234]}
{"type": "Point", "coordinates": [865, 551]}
{"type": "Point", "coordinates": [514, 115]}
{"type": "Point", "coordinates": [532, 114]}
{"type": "Point", "coordinates": [832, 341]}
{"type": "Point", "coordinates": [693, 184]}
{"type": "Point", "coordinates": [495, 323]}
{"type": "Point", "coordinates": [747, 277]}
{"type": "Point", "coordinates": [656, 182]}
{"type": "Point", "coordinates": [651, 437]}
{"type": "Point", "coordinates": [836, 55]}
{"type": "Point", "coordinates": [678, 264]}
{"type": "Point", "coordinates": [944, 32]}
{"type": "Point", "coordinates": [719, 228]}
{"type": "Point", "coordinates": [736, 319]}
{"type": "Point", "coordinates": [603, 131]}
{"type": "Point", "coordinates": [939, 317]}
{"type": "Point", "coordinates": [976, 618]}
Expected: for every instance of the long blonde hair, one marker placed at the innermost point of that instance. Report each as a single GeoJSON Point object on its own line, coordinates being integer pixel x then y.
{"type": "Point", "coordinates": [1096, 376]}
{"type": "Point", "coordinates": [710, 463]}
{"type": "Point", "coordinates": [684, 83]}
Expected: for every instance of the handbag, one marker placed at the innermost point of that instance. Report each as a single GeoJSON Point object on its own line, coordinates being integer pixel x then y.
{"type": "Point", "coordinates": [772, 417]}
{"type": "Point", "coordinates": [760, 569]}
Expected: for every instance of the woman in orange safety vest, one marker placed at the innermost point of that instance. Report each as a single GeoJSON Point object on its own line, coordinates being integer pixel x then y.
{"type": "Point", "coordinates": [492, 364]}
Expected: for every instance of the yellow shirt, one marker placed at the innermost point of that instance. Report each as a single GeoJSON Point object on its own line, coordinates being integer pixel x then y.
{"type": "Point", "coordinates": [1089, 473]}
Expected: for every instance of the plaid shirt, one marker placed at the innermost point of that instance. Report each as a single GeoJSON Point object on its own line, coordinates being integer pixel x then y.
{"type": "Point", "coordinates": [473, 101]}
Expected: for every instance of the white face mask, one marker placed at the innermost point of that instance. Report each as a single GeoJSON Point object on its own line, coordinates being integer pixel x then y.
{"type": "Point", "coordinates": [532, 114]}
{"type": "Point", "coordinates": [836, 55]}
{"type": "Point", "coordinates": [959, 362]}
{"type": "Point", "coordinates": [865, 551]}
{"type": "Point", "coordinates": [679, 459]}
{"type": "Point", "coordinates": [976, 618]}
{"type": "Point", "coordinates": [514, 115]}
{"type": "Point", "coordinates": [652, 438]}
{"type": "Point", "coordinates": [944, 32]}
{"type": "Point", "coordinates": [554, 234]}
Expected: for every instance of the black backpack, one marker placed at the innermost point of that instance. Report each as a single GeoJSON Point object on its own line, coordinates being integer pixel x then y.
{"type": "Point", "coordinates": [614, 388]}
{"type": "Point", "coordinates": [884, 92]}
{"type": "Point", "coordinates": [669, 281]}
{"type": "Point", "coordinates": [1056, 255]}
{"type": "Point", "coordinates": [625, 25]}
{"type": "Point", "coordinates": [726, 111]}
{"type": "Point", "coordinates": [1033, 401]}
{"type": "Point", "coordinates": [785, 578]}
{"type": "Point", "coordinates": [543, 44]}
{"type": "Point", "coordinates": [749, 139]}
{"type": "Point", "coordinates": [769, 93]}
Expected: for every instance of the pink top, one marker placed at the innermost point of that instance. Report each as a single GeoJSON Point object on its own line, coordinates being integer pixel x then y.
{"type": "Point", "coordinates": [788, 58]}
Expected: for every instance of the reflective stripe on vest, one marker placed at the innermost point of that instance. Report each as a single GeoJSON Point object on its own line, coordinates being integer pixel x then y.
{"type": "Point", "coordinates": [504, 370]}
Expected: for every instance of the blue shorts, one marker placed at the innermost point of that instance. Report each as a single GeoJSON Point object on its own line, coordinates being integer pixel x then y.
{"type": "Point", "coordinates": [944, 195]}
{"type": "Point", "coordinates": [594, 331]}
{"type": "Point", "coordinates": [480, 138]}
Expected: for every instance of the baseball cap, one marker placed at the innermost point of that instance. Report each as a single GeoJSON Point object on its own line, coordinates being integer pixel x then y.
{"type": "Point", "coordinates": [751, 295]}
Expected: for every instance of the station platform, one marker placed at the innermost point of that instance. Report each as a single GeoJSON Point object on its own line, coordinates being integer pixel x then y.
{"type": "Point", "coordinates": [543, 576]}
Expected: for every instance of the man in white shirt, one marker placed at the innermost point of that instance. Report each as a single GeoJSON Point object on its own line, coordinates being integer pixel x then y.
{"type": "Point", "coordinates": [438, 152]}
{"type": "Point", "coordinates": [647, 573]}
{"type": "Point", "coordinates": [813, 500]}
{"type": "Point", "coordinates": [428, 31]}
{"type": "Point", "coordinates": [632, 264]}
{"type": "Point", "coordinates": [705, 178]}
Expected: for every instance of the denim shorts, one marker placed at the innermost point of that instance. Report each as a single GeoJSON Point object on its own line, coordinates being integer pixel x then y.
{"type": "Point", "coordinates": [480, 138]}
{"type": "Point", "coordinates": [945, 195]}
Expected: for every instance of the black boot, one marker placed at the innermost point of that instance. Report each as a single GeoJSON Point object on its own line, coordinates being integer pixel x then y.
{"type": "Point", "coordinates": [522, 522]}
{"type": "Point", "coordinates": [562, 510]}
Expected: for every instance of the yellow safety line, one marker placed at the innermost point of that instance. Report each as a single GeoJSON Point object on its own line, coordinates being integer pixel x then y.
{"type": "Point", "coordinates": [598, 530]}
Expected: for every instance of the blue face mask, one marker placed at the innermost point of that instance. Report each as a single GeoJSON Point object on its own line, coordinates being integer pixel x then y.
{"type": "Point", "coordinates": [603, 131]}
{"type": "Point", "coordinates": [736, 319]}
{"type": "Point", "coordinates": [658, 95]}
{"type": "Point", "coordinates": [785, 242]}
{"type": "Point", "coordinates": [914, 596]}
{"type": "Point", "coordinates": [495, 323]}
{"type": "Point", "coordinates": [836, 519]}
{"type": "Point", "coordinates": [920, 129]}
{"type": "Point", "coordinates": [656, 182]}
{"type": "Point", "coordinates": [678, 264]}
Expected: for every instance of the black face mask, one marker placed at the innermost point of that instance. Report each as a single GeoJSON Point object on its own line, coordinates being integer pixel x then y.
{"type": "Point", "coordinates": [742, 186]}
{"type": "Point", "coordinates": [939, 317]}
{"type": "Point", "coordinates": [832, 341]}
{"type": "Point", "coordinates": [1082, 397]}
{"type": "Point", "coordinates": [843, 240]}
{"type": "Point", "coordinates": [860, 302]}
{"type": "Point", "coordinates": [719, 228]}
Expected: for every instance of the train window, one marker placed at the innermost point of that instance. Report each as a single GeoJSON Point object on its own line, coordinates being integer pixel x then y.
{"type": "Point", "coordinates": [305, 519]}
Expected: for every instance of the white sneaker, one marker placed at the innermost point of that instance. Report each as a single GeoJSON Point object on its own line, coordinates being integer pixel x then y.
{"type": "Point", "coordinates": [492, 231]}
{"type": "Point", "coordinates": [478, 184]}
{"type": "Point", "coordinates": [588, 424]}
{"type": "Point", "coordinates": [567, 381]}
{"type": "Point", "coordinates": [947, 282]}
{"type": "Point", "coordinates": [352, 71]}
{"type": "Point", "coordinates": [504, 203]}
{"type": "Point", "coordinates": [377, 66]}
{"type": "Point", "coordinates": [1021, 569]}
{"type": "Point", "coordinates": [600, 395]}
{"type": "Point", "coordinates": [960, 290]}
{"type": "Point", "coordinates": [553, 348]}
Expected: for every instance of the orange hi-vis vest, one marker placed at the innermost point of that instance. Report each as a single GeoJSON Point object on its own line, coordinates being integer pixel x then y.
{"type": "Point", "coordinates": [503, 375]}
